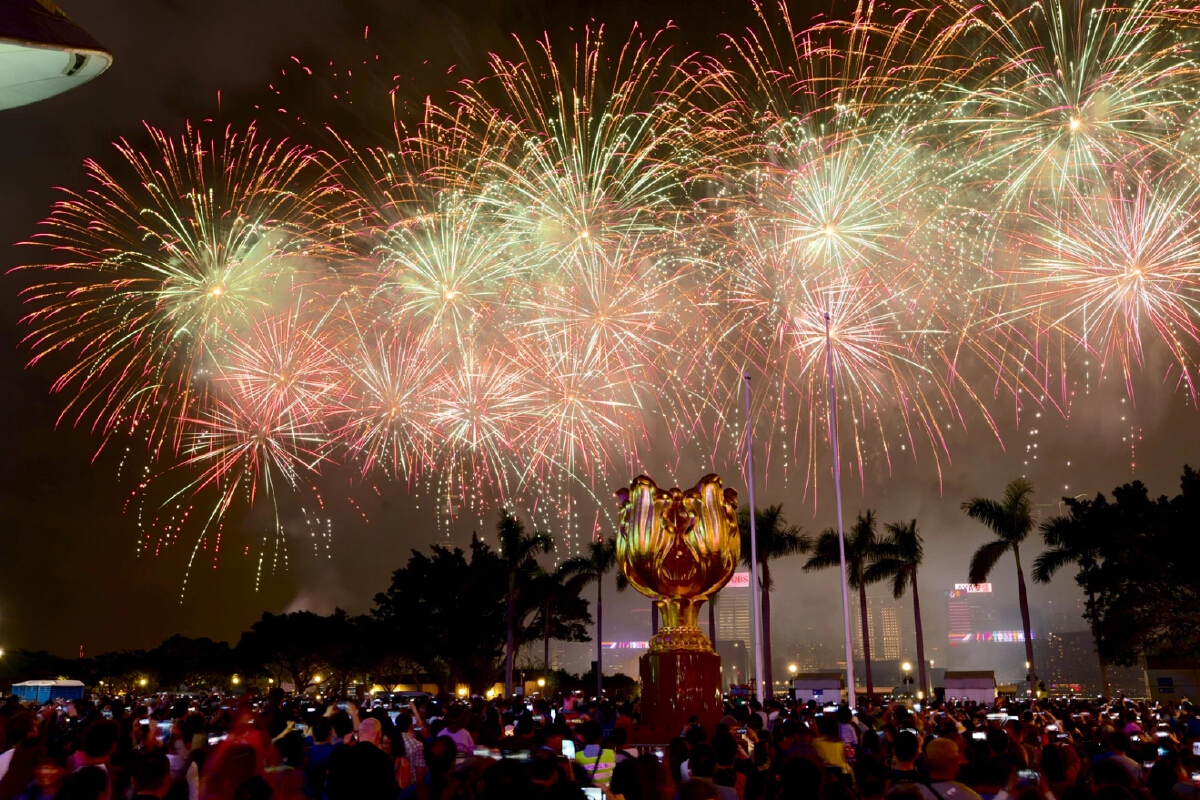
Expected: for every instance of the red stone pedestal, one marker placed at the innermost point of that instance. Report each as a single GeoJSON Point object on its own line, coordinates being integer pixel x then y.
{"type": "Point", "coordinates": [678, 685]}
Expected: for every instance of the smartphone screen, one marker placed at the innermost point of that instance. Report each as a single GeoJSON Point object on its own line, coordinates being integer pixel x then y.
{"type": "Point", "coordinates": [568, 749]}
{"type": "Point", "coordinates": [593, 793]}
{"type": "Point", "coordinates": [979, 735]}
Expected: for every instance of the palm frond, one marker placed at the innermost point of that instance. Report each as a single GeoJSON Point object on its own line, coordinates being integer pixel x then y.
{"type": "Point", "coordinates": [990, 512]}
{"type": "Point", "coordinates": [985, 558]}
{"type": "Point", "coordinates": [1051, 561]}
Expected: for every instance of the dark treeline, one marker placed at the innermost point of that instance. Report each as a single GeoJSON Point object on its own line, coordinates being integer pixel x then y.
{"type": "Point", "coordinates": [443, 620]}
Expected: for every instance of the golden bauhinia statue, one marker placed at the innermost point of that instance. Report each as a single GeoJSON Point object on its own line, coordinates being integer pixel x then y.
{"type": "Point", "coordinates": [679, 548]}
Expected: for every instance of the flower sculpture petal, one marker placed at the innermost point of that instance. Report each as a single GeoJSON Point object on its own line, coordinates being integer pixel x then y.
{"type": "Point", "coordinates": [678, 548]}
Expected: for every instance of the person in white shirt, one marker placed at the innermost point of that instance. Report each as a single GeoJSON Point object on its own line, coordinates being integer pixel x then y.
{"type": "Point", "coordinates": [456, 731]}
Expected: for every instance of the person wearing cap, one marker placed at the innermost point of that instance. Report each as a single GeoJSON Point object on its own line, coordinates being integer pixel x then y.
{"type": "Point", "coordinates": [943, 759]}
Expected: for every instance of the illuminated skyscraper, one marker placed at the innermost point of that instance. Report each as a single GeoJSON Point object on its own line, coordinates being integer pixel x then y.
{"type": "Point", "coordinates": [733, 615]}
{"type": "Point", "coordinates": [883, 618]}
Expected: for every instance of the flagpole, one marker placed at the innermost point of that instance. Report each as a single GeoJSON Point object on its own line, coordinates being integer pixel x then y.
{"type": "Point", "coordinates": [755, 603]}
{"type": "Point", "coordinates": [837, 488]}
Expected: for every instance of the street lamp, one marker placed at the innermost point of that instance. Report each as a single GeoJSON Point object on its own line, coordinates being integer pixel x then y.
{"type": "Point", "coordinates": [462, 691]}
{"type": "Point", "coordinates": [142, 682]}
{"type": "Point", "coordinates": [541, 682]}
{"type": "Point", "coordinates": [907, 680]}
{"type": "Point", "coordinates": [236, 680]}
{"type": "Point", "coordinates": [317, 679]}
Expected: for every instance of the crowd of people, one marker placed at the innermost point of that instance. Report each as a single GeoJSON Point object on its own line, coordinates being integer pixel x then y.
{"type": "Point", "coordinates": [392, 747]}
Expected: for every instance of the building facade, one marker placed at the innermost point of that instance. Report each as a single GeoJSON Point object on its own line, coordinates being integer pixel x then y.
{"type": "Point", "coordinates": [883, 622]}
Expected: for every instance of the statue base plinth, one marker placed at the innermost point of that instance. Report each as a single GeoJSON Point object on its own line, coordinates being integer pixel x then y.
{"type": "Point", "coordinates": [677, 685]}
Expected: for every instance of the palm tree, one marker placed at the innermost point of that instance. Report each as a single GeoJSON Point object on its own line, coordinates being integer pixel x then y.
{"type": "Point", "coordinates": [1011, 519]}
{"type": "Point", "coordinates": [555, 588]}
{"type": "Point", "coordinates": [518, 552]}
{"type": "Point", "coordinates": [897, 559]}
{"type": "Point", "coordinates": [861, 550]}
{"type": "Point", "coordinates": [776, 539]}
{"type": "Point", "coordinates": [1071, 541]}
{"type": "Point", "coordinates": [600, 560]}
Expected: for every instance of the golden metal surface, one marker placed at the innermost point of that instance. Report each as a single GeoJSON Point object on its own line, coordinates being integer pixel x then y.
{"type": "Point", "coordinates": [678, 548]}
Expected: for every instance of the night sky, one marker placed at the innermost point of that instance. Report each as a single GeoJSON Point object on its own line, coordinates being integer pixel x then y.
{"type": "Point", "coordinates": [70, 573]}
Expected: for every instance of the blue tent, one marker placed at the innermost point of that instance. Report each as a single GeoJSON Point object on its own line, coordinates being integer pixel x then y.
{"type": "Point", "coordinates": [45, 691]}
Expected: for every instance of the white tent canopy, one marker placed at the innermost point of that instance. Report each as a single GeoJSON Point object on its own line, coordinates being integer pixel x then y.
{"type": "Point", "coordinates": [43, 53]}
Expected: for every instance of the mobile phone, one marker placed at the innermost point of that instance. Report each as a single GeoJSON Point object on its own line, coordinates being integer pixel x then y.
{"type": "Point", "coordinates": [593, 793]}
{"type": "Point", "coordinates": [1196, 777]}
{"type": "Point", "coordinates": [1062, 736]}
{"type": "Point", "coordinates": [393, 715]}
{"type": "Point", "coordinates": [1196, 748]}
{"type": "Point", "coordinates": [343, 706]}
{"type": "Point", "coordinates": [913, 731]}
{"type": "Point", "coordinates": [979, 735]}
{"type": "Point", "coordinates": [107, 714]}
{"type": "Point", "coordinates": [1051, 727]}
{"type": "Point", "coordinates": [1027, 777]}
{"type": "Point", "coordinates": [1162, 734]}
{"type": "Point", "coordinates": [1134, 738]}
{"type": "Point", "coordinates": [216, 738]}
{"type": "Point", "coordinates": [568, 749]}
{"type": "Point", "coordinates": [300, 726]}
{"type": "Point", "coordinates": [145, 722]}
{"type": "Point", "coordinates": [658, 753]}
{"type": "Point", "coordinates": [1148, 765]}
{"type": "Point", "coordinates": [310, 710]}
{"type": "Point", "coordinates": [1162, 751]}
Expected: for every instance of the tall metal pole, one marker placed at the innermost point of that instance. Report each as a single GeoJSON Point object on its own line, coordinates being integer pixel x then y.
{"type": "Point", "coordinates": [755, 603]}
{"type": "Point", "coordinates": [837, 488]}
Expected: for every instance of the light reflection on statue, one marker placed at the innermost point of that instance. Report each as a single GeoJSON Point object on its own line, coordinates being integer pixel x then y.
{"type": "Point", "coordinates": [679, 548]}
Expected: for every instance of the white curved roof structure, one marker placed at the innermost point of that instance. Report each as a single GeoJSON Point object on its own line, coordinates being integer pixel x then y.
{"type": "Point", "coordinates": [43, 53]}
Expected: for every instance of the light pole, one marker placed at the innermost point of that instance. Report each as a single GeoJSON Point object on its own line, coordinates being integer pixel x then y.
{"type": "Point", "coordinates": [755, 604]}
{"type": "Point", "coordinates": [837, 489]}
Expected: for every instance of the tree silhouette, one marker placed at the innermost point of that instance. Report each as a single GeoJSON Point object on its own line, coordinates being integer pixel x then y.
{"type": "Point", "coordinates": [562, 613]}
{"type": "Point", "coordinates": [1074, 540]}
{"type": "Point", "coordinates": [518, 552]}
{"type": "Point", "coordinates": [600, 560]}
{"type": "Point", "coordinates": [1011, 520]}
{"type": "Point", "coordinates": [861, 549]}
{"type": "Point", "coordinates": [776, 539]}
{"type": "Point", "coordinates": [897, 559]}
